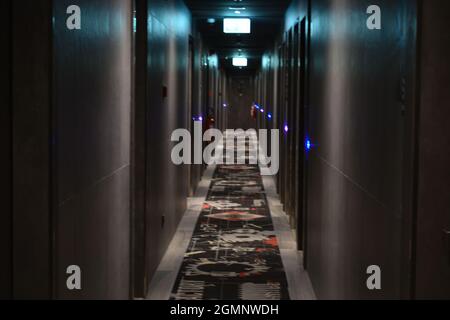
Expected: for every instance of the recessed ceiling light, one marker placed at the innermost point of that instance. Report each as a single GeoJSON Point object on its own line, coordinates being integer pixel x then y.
{"type": "Point", "coordinates": [236, 25]}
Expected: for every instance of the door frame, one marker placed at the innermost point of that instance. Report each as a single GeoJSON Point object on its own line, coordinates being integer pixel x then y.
{"type": "Point", "coordinates": [139, 143]}
{"type": "Point", "coordinates": [190, 105]}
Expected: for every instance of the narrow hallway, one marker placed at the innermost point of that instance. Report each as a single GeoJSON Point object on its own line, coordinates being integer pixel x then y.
{"type": "Point", "coordinates": [235, 249]}
{"type": "Point", "coordinates": [224, 150]}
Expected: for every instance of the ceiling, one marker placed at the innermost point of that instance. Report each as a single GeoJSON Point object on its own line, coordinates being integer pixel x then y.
{"type": "Point", "coordinates": [266, 15]}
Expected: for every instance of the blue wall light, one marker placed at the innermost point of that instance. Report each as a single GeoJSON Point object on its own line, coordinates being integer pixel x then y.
{"type": "Point", "coordinates": [269, 116]}
{"type": "Point", "coordinates": [308, 145]}
{"type": "Point", "coordinates": [262, 110]}
{"type": "Point", "coordinates": [286, 128]}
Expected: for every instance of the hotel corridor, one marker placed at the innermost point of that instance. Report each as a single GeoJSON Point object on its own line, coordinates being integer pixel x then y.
{"type": "Point", "coordinates": [224, 150]}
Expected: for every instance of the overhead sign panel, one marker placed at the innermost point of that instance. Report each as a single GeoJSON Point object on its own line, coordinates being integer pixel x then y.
{"type": "Point", "coordinates": [237, 25]}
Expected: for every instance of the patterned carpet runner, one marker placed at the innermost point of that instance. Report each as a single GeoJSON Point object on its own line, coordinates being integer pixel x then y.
{"type": "Point", "coordinates": [234, 253]}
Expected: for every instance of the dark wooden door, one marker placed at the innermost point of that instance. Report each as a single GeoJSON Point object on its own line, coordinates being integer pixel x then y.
{"type": "Point", "coordinates": [432, 268]}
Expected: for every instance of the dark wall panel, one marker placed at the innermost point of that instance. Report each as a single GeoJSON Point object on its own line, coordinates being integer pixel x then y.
{"type": "Point", "coordinates": [198, 94]}
{"type": "Point", "coordinates": [433, 248]}
{"type": "Point", "coordinates": [139, 152]}
{"type": "Point", "coordinates": [92, 110]}
{"type": "Point", "coordinates": [169, 27]}
{"type": "Point", "coordinates": [31, 33]}
{"type": "Point", "coordinates": [358, 124]}
{"type": "Point", "coordinates": [5, 146]}
{"type": "Point", "coordinates": [295, 13]}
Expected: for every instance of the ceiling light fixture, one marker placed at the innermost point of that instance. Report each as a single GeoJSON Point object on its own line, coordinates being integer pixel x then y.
{"type": "Point", "coordinates": [236, 25]}
{"type": "Point", "coordinates": [240, 62]}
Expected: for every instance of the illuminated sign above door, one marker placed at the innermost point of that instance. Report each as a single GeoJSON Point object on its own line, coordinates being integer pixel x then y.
{"type": "Point", "coordinates": [237, 25]}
